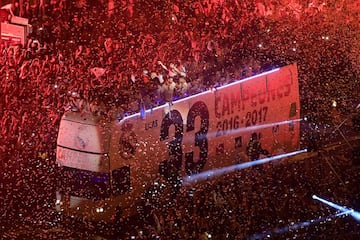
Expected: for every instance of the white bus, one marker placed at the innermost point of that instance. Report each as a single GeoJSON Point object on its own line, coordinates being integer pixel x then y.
{"type": "Point", "coordinates": [107, 165]}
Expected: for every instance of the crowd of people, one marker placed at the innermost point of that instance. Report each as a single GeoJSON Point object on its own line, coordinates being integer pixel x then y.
{"type": "Point", "coordinates": [135, 56]}
{"type": "Point", "coordinates": [150, 52]}
{"type": "Point", "coordinates": [253, 204]}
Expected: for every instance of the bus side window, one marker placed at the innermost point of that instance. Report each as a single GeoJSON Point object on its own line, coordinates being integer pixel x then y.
{"type": "Point", "coordinates": [121, 180]}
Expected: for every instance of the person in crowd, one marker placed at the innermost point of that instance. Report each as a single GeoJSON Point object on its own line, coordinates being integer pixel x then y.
{"type": "Point", "coordinates": [38, 85]}
{"type": "Point", "coordinates": [182, 87]}
{"type": "Point", "coordinates": [167, 89]}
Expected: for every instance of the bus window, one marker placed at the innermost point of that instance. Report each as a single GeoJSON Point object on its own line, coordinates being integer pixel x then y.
{"type": "Point", "coordinates": [85, 184]}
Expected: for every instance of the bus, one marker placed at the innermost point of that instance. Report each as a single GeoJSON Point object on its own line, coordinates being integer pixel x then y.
{"type": "Point", "coordinates": [106, 166]}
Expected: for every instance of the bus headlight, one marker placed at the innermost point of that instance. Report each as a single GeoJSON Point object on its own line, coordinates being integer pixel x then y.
{"type": "Point", "coordinates": [99, 210]}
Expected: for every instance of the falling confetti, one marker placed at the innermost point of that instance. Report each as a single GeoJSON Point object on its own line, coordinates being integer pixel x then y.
{"type": "Point", "coordinates": [108, 58]}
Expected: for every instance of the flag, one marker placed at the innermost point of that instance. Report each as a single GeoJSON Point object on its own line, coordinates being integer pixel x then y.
{"type": "Point", "coordinates": [97, 71]}
{"type": "Point", "coordinates": [7, 6]}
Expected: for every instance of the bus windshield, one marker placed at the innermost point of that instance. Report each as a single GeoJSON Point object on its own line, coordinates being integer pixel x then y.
{"type": "Point", "coordinates": [85, 184]}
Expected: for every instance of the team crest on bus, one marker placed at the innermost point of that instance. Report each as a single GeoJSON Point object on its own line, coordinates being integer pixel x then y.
{"type": "Point", "coordinates": [128, 141]}
{"type": "Point", "coordinates": [82, 139]}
